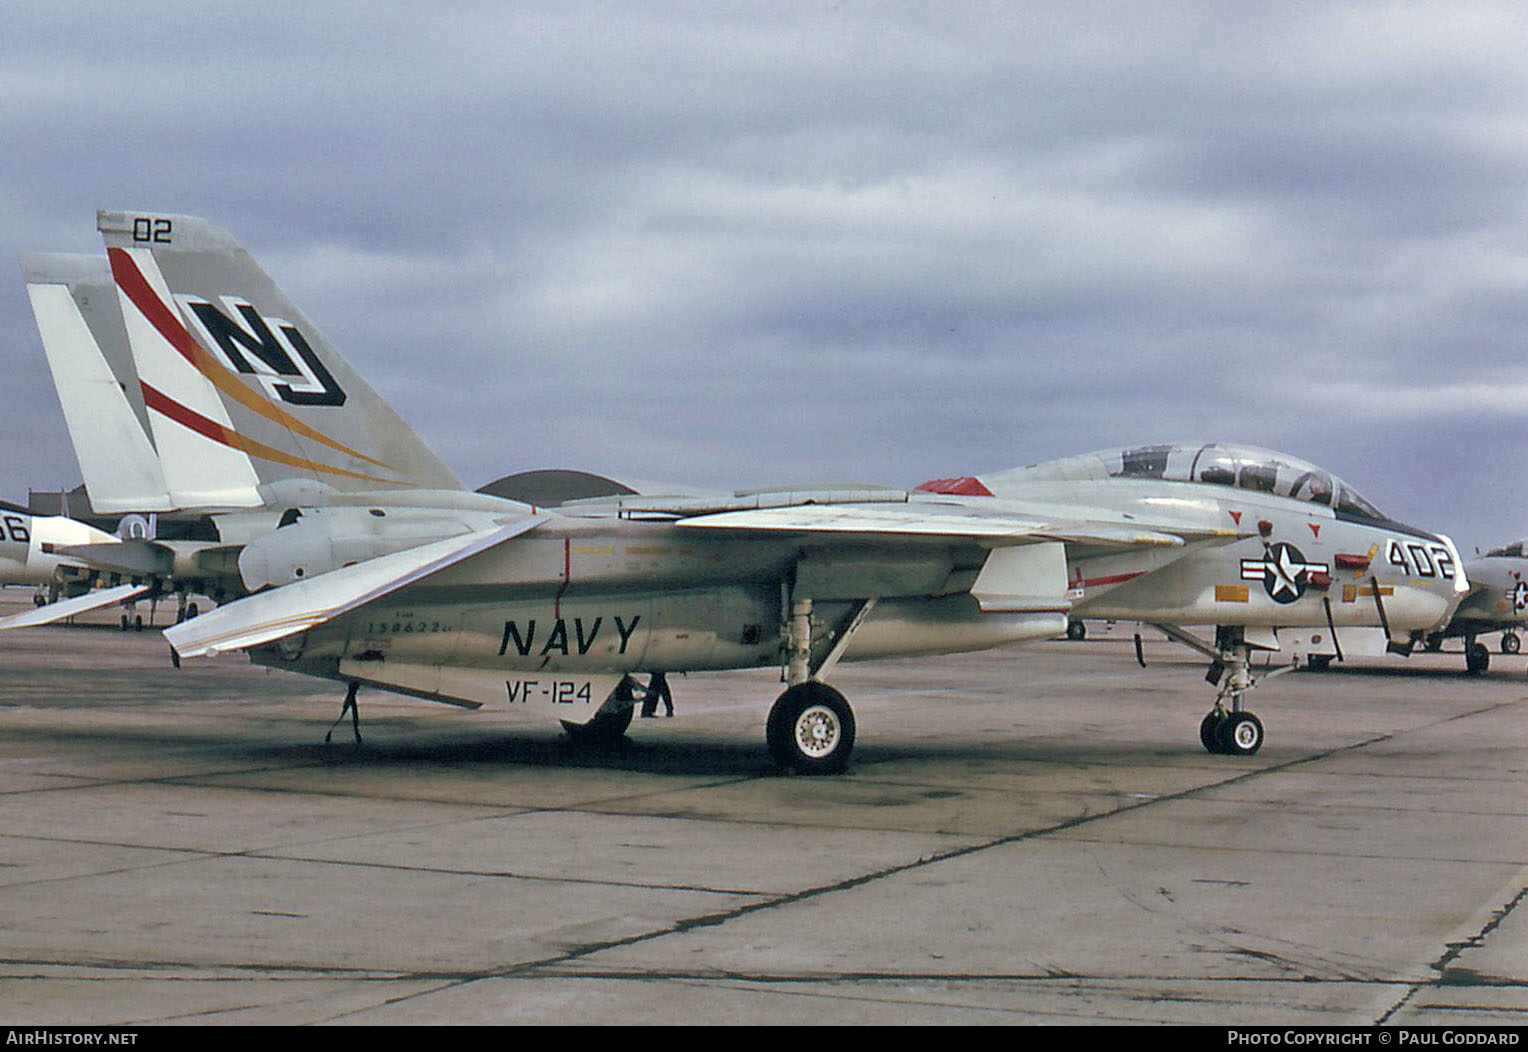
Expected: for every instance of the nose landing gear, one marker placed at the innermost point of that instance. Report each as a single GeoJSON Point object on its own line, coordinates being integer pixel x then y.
{"type": "Point", "coordinates": [1228, 728]}
{"type": "Point", "coordinates": [1232, 733]}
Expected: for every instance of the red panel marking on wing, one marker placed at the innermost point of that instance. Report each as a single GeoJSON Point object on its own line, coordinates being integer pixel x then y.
{"type": "Point", "coordinates": [968, 486]}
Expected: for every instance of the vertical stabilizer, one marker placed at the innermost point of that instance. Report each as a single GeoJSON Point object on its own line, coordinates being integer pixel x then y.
{"type": "Point", "coordinates": [75, 303]}
{"type": "Point", "coordinates": [242, 390]}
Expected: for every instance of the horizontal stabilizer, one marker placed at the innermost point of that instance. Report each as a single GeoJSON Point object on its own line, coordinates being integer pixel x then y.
{"type": "Point", "coordinates": [148, 558]}
{"type": "Point", "coordinates": [162, 559]}
{"type": "Point", "coordinates": [293, 608]}
{"type": "Point", "coordinates": [46, 615]}
{"type": "Point", "coordinates": [911, 521]}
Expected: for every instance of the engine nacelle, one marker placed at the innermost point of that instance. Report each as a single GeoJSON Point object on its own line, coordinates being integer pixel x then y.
{"type": "Point", "coordinates": [312, 541]}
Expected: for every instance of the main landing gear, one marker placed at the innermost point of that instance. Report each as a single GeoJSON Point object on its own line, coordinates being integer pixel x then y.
{"type": "Point", "coordinates": [1228, 728]}
{"type": "Point", "coordinates": [609, 726]}
{"type": "Point", "coordinates": [810, 729]}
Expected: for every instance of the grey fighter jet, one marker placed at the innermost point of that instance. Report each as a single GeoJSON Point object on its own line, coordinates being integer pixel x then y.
{"type": "Point", "coordinates": [1497, 602]}
{"type": "Point", "coordinates": [367, 564]}
{"type": "Point", "coordinates": [31, 550]}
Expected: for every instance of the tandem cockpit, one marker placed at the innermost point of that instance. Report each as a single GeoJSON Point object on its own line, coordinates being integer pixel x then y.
{"type": "Point", "coordinates": [1214, 463]}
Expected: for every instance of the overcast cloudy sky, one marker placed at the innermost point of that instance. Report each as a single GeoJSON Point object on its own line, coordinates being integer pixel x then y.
{"type": "Point", "coordinates": [745, 244]}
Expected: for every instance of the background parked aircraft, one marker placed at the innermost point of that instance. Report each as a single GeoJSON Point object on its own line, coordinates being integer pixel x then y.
{"type": "Point", "coordinates": [1497, 602]}
{"type": "Point", "coordinates": [30, 550]}
{"type": "Point", "coordinates": [43, 551]}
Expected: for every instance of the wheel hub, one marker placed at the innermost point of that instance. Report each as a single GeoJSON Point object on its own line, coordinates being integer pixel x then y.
{"type": "Point", "coordinates": [1245, 735]}
{"type": "Point", "coordinates": [817, 731]}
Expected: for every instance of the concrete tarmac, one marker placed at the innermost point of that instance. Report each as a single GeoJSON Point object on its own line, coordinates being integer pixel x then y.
{"type": "Point", "coordinates": [1029, 835]}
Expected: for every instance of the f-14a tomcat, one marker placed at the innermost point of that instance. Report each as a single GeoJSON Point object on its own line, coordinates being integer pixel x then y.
{"type": "Point", "coordinates": [1497, 602]}
{"type": "Point", "coordinates": [559, 607]}
{"type": "Point", "coordinates": [31, 551]}
{"type": "Point", "coordinates": [372, 570]}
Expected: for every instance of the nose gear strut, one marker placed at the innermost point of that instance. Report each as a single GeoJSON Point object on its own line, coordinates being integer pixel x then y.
{"type": "Point", "coordinates": [1228, 727]}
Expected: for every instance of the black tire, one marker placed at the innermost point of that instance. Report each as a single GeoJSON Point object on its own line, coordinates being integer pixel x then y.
{"type": "Point", "coordinates": [1510, 643]}
{"type": "Point", "coordinates": [606, 728]}
{"type": "Point", "coordinates": [1434, 644]}
{"type": "Point", "coordinates": [1076, 631]}
{"type": "Point", "coordinates": [1477, 659]}
{"type": "Point", "coordinates": [1241, 734]}
{"type": "Point", "coordinates": [1209, 732]}
{"type": "Point", "coordinates": [811, 729]}
{"type": "Point", "coordinates": [1319, 662]}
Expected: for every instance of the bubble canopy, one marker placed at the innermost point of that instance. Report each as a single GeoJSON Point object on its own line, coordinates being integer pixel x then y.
{"type": "Point", "coordinates": [1515, 550]}
{"type": "Point", "coordinates": [1239, 467]}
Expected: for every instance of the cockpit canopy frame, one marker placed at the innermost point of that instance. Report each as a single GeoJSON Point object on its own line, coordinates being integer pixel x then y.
{"type": "Point", "coordinates": [1239, 467]}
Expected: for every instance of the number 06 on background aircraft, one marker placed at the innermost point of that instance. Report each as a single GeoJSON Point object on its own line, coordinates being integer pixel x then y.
{"type": "Point", "coordinates": [366, 563]}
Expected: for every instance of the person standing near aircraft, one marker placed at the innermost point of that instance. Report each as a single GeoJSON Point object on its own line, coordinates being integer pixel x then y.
{"type": "Point", "coordinates": [657, 690]}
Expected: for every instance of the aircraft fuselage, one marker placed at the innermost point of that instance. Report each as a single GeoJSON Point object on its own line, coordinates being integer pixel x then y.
{"type": "Point", "coordinates": [612, 596]}
{"type": "Point", "coordinates": [606, 596]}
{"type": "Point", "coordinates": [26, 542]}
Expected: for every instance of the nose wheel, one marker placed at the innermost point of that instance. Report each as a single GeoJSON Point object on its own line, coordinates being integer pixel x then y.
{"type": "Point", "coordinates": [1231, 733]}
{"type": "Point", "coordinates": [1228, 729]}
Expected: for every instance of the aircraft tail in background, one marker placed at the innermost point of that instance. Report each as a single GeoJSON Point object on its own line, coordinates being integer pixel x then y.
{"type": "Point", "coordinates": [75, 303]}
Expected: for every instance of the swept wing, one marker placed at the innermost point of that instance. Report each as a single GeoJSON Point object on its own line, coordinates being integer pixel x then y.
{"type": "Point", "coordinates": [47, 615]}
{"type": "Point", "coordinates": [919, 522]}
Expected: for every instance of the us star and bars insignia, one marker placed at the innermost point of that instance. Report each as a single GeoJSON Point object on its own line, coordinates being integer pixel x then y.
{"type": "Point", "coordinates": [1283, 571]}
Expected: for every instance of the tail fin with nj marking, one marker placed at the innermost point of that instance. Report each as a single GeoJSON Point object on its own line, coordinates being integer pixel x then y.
{"type": "Point", "coordinates": [248, 403]}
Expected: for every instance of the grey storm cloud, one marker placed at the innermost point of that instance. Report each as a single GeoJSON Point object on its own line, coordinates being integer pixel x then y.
{"type": "Point", "coordinates": [744, 244]}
